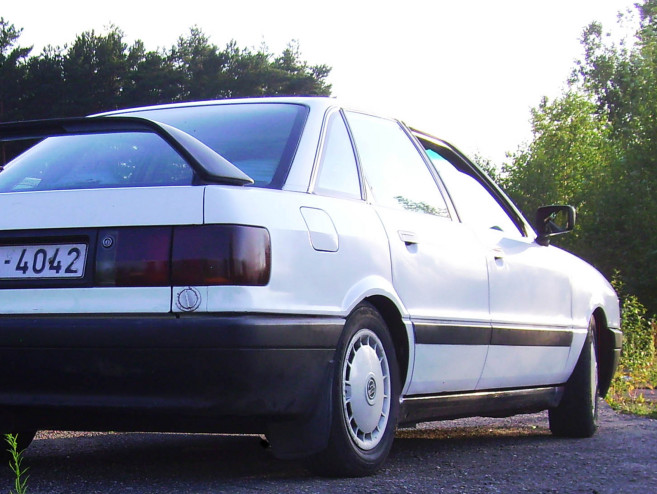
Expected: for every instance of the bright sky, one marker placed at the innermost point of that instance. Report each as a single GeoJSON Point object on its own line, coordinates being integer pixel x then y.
{"type": "Point", "coordinates": [466, 71]}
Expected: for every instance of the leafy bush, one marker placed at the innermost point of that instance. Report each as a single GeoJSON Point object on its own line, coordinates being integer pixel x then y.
{"type": "Point", "coordinates": [637, 370]}
{"type": "Point", "coordinates": [638, 334]}
{"type": "Point", "coordinates": [638, 330]}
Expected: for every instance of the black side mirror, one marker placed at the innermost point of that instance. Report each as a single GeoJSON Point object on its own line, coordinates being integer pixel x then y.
{"type": "Point", "coordinates": [552, 221]}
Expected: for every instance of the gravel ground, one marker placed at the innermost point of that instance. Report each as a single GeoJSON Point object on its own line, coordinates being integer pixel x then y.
{"type": "Point", "coordinates": [459, 456]}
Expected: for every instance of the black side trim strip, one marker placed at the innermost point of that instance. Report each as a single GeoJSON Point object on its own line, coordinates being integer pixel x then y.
{"type": "Point", "coordinates": [437, 334]}
{"type": "Point", "coordinates": [479, 404]}
{"type": "Point", "coordinates": [433, 334]}
{"type": "Point", "coordinates": [531, 337]}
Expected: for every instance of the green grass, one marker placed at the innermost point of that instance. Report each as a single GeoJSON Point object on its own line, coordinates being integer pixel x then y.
{"type": "Point", "coordinates": [626, 392]}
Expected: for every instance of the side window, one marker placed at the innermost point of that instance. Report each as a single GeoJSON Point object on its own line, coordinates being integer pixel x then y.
{"type": "Point", "coordinates": [393, 167]}
{"type": "Point", "coordinates": [474, 204]}
{"type": "Point", "coordinates": [338, 172]}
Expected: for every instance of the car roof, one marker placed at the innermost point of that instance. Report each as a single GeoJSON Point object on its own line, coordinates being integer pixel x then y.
{"type": "Point", "coordinates": [314, 102]}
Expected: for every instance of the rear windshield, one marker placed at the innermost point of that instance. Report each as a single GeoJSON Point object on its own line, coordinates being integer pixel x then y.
{"type": "Point", "coordinates": [92, 161]}
{"type": "Point", "coordinates": [260, 139]}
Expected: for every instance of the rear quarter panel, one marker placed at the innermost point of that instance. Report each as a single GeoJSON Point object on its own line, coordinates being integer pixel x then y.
{"type": "Point", "coordinates": [304, 280]}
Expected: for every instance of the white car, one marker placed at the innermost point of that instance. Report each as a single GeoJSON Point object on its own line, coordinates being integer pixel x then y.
{"type": "Point", "coordinates": [283, 266]}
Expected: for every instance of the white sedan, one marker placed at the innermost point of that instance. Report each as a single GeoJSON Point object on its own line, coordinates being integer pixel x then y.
{"type": "Point", "coordinates": [283, 266]}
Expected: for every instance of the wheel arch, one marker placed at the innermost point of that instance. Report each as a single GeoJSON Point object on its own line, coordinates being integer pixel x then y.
{"type": "Point", "coordinates": [398, 332]}
{"type": "Point", "coordinates": [606, 350]}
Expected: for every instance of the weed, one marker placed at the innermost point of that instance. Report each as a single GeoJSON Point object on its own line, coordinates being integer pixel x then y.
{"type": "Point", "coordinates": [16, 465]}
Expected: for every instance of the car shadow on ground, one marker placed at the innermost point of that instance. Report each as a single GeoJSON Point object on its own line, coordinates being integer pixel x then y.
{"type": "Point", "coordinates": [115, 462]}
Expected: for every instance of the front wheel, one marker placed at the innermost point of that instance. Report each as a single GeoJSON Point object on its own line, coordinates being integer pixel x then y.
{"type": "Point", "coordinates": [577, 414]}
{"type": "Point", "coordinates": [365, 398]}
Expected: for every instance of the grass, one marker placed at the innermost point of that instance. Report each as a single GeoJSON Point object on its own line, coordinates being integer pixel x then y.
{"type": "Point", "coordinates": [626, 394]}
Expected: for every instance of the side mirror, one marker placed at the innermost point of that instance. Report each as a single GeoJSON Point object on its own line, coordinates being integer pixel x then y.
{"type": "Point", "coordinates": [552, 221]}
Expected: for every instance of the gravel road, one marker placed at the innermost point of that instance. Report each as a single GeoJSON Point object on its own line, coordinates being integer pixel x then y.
{"type": "Point", "coordinates": [465, 456]}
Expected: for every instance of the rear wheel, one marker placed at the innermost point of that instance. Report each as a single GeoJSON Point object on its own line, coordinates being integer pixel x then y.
{"type": "Point", "coordinates": [577, 414]}
{"type": "Point", "coordinates": [365, 398]}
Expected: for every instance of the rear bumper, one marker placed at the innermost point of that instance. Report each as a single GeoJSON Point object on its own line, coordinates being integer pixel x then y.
{"type": "Point", "coordinates": [191, 373]}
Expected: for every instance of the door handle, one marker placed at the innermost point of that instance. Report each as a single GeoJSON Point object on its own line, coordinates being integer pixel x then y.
{"type": "Point", "coordinates": [498, 254]}
{"type": "Point", "coordinates": [408, 237]}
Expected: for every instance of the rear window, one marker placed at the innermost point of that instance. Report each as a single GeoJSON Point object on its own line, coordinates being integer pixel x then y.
{"type": "Point", "coordinates": [258, 138]}
{"type": "Point", "coordinates": [122, 159]}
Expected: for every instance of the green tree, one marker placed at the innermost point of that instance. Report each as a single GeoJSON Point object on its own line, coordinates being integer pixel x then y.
{"type": "Point", "coordinates": [152, 78]}
{"type": "Point", "coordinates": [44, 82]}
{"type": "Point", "coordinates": [595, 147]}
{"type": "Point", "coordinates": [201, 66]}
{"type": "Point", "coordinates": [208, 72]}
{"type": "Point", "coordinates": [95, 69]}
{"type": "Point", "coordinates": [289, 75]}
{"type": "Point", "coordinates": [99, 72]}
{"type": "Point", "coordinates": [12, 68]}
{"type": "Point", "coordinates": [566, 162]}
{"type": "Point", "coordinates": [12, 75]}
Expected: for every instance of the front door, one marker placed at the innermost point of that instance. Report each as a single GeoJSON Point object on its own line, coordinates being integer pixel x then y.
{"type": "Point", "coordinates": [530, 298]}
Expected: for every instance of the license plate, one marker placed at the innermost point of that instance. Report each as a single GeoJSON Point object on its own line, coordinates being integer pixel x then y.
{"type": "Point", "coordinates": [19, 262]}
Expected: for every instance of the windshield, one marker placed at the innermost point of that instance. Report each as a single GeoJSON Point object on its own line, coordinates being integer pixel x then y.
{"type": "Point", "coordinates": [258, 138]}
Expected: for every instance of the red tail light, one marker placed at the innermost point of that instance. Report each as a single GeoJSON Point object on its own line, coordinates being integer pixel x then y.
{"type": "Point", "coordinates": [183, 255]}
{"type": "Point", "coordinates": [220, 255]}
{"type": "Point", "coordinates": [134, 256]}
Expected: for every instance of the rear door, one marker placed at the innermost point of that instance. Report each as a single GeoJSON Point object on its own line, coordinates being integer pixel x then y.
{"type": "Point", "coordinates": [438, 267]}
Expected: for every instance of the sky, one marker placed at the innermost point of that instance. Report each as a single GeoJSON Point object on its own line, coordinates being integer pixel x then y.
{"type": "Point", "coordinates": [468, 72]}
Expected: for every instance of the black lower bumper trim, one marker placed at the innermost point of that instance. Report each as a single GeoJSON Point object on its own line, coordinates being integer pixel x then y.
{"type": "Point", "coordinates": [170, 331]}
{"type": "Point", "coordinates": [197, 372]}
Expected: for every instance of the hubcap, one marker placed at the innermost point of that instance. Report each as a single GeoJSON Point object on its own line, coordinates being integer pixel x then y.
{"type": "Point", "coordinates": [366, 389]}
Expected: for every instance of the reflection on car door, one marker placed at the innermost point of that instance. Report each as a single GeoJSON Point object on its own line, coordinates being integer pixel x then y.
{"type": "Point", "coordinates": [438, 268]}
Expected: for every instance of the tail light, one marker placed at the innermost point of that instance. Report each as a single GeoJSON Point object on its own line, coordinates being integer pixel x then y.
{"type": "Point", "coordinates": [134, 256]}
{"type": "Point", "coordinates": [183, 255]}
{"type": "Point", "coordinates": [220, 255]}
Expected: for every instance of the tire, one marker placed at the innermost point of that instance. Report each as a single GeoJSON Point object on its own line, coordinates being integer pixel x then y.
{"type": "Point", "coordinates": [365, 399]}
{"type": "Point", "coordinates": [577, 414]}
{"type": "Point", "coordinates": [24, 439]}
